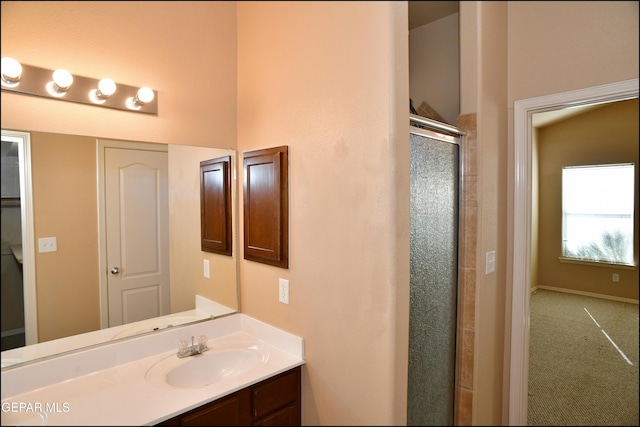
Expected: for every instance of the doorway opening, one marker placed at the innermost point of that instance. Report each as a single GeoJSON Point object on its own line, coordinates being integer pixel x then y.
{"type": "Point", "coordinates": [522, 222]}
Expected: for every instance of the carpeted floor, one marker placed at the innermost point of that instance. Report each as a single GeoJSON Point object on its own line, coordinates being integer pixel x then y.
{"type": "Point", "coordinates": [583, 361]}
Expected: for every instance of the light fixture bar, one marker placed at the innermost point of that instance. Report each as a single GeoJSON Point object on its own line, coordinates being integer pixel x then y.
{"type": "Point", "coordinates": [34, 81]}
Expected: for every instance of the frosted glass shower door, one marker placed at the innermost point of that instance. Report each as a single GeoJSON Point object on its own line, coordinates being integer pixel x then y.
{"type": "Point", "coordinates": [433, 280]}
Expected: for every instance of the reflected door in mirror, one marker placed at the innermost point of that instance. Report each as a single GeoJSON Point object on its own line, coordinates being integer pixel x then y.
{"type": "Point", "coordinates": [137, 238]}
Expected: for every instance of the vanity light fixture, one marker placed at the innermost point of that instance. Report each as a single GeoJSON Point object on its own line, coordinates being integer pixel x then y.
{"type": "Point", "coordinates": [11, 72]}
{"type": "Point", "coordinates": [62, 85]}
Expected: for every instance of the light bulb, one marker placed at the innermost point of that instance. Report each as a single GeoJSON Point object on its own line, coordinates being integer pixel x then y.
{"type": "Point", "coordinates": [144, 95]}
{"type": "Point", "coordinates": [106, 88]}
{"type": "Point", "coordinates": [63, 79]}
{"type": "Point", "coordinates": [11, 72]}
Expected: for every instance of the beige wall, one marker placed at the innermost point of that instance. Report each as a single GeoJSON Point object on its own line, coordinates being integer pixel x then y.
{"type": "Point", "coordinates": [186, 256]}
{"type": "Point", "coordinates": [561, 46]}
{"type": "Point", "coordinates": [330, 80]}
{"type": "Point", "coordinates": [186, 50]}
{"type": "Point", "coordinates": [64, 206]}
{"type": "Point", "coordinates": [491, 215]}
{"type": "Point", "coordinates": [434, 66]}
{"type": "Point", "coordinates": [608, 134]}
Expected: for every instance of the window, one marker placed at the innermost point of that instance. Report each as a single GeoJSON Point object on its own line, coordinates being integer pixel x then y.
{"type": "Point", "coordinates": [597, 213]}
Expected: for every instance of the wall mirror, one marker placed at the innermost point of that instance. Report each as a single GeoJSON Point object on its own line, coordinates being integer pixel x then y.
{"type": "Point", "coordinates": [71, 306]}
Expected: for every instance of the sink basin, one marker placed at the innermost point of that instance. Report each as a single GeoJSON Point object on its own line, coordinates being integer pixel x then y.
{"type": "Point", "coordinates": [207, 368]}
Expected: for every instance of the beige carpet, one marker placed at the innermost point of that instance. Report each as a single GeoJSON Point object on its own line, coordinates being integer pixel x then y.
{"type": "Point", "coordinates": [583, 361]}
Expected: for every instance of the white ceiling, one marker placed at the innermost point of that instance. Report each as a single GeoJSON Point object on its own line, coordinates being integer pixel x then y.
{"type": "Point", "coordinates": [424, 12]}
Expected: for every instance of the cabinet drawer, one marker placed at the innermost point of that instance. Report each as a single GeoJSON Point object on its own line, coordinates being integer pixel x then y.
{"type": "Point", "coordinates": [276, 393]}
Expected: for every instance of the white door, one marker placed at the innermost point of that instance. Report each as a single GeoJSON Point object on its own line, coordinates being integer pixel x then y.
{"type": "Point", "coordinates": [137, 241]}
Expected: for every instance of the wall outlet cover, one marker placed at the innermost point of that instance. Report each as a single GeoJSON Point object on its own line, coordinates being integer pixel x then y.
{"type": "Point", "coordinates": [207, 269]}
{"type": "Point", "coordinates": [283, 291]}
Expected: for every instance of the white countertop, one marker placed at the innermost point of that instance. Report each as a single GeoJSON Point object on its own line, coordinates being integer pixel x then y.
{"type": "Point", "coordinates": [107, 385]}
{"type": "Point", "coordinates": [16, 250]}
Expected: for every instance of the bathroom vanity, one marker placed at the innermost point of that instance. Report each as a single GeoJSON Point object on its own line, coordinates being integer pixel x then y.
{"type": "Point", "coordinates": [250, 374]}
{"type": "Point", "coordinates": [272, 402]}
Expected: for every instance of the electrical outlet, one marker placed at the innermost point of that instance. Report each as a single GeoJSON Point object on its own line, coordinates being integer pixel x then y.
{"type": "Point", "coordinates": [47, 244]}
{"type": "Point", "coordinates": [207, 271]}
{"type": "Point", "coordinates": [615, 278]}
{"type": "Point", "coordinates": [283, 291]}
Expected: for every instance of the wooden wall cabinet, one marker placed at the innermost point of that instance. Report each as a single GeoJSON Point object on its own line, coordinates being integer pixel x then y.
{"type": "Point", "coordinates": [215, 205]}
{"type": "Point", "coordinates": [271, 402]}
{"type": "Point", "coordinates": [266, 206]}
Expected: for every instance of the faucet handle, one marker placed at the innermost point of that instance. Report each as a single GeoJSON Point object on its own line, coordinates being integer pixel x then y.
{"type": "Point", "coordinates": [183, 347]}
{"type": "Point", "coordinates": [202, 341]}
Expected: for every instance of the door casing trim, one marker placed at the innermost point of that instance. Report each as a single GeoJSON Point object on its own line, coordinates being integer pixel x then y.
{"type": "Point", "coordinates": [28, 235]}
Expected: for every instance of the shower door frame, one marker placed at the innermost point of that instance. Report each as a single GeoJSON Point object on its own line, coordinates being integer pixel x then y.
{"type": "Point", "coordinates": [450, 134]}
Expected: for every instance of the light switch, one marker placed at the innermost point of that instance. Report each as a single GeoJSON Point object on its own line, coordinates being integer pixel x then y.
{"type": "Point", "coordinates": [490, 266]}
{"type": "Point", "coordinates": [47, 244]}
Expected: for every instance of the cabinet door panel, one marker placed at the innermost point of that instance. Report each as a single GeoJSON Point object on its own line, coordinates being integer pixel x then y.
{"type": "Point", "coordinates": [215, 205]}
{"type": "Point", "coordinates": [287, 416]}
{"type": "Point", "coordinates": [266, 206]}
{"type": "Point", "coordinates": [275, 393]}
{"type": "Point", "coordinates": [224, 412]}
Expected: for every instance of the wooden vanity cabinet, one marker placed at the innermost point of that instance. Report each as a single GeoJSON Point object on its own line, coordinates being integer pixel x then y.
{"type": "Point", "coordinates": [271, 402]}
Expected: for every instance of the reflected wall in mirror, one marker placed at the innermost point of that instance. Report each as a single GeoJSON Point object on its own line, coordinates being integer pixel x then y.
{"type": "Point", "coordinates": [70, 277]}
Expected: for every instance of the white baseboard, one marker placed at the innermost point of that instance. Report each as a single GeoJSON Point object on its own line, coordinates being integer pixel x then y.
{"type": "Point", "coordinates": [588, 294]}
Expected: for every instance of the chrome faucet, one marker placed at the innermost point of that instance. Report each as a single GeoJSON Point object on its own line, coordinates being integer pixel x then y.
{"type": "Point", "coordinates": [186, 350]}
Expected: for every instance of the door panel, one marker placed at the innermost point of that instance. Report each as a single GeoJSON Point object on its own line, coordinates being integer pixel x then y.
{"type": "Point", "coordinates": [136, 234]}
{"type": "Point", "coordinates": [141, 303]}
